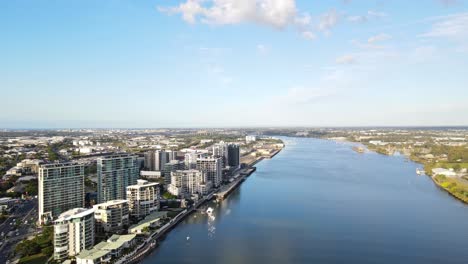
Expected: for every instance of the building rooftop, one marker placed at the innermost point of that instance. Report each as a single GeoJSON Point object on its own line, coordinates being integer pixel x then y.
{"type": "Point", "coordinates": [91, 254]}
{"type": "Point", "coordinates": [112, 202]}
{"type": "Point", "coordinates": [149, 220]}
{"type": "Point", "coordinates": [75, 213]}
{"type": "Point", "coordinates": [142, 183]}
{"type": "Point", "coordinates": [104, 248]}
{"type": "Point", "coordinates": [56, 165]}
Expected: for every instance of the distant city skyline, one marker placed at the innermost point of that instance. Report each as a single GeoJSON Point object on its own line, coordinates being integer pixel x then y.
{"type": "Point", "coordinates": [233, 63]}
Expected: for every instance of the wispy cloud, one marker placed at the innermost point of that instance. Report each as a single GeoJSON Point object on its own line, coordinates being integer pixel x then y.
{"type": "Point", "coordinates": [378, 38]}
{"type": "Point", "coordinates": [301, 95]}
{"type": "Point", "coordinates": [451, 26]}
{"type": "Point", "coordinates": [370, 15]}
{"type": "Point", "coordinates": [448, 2]}
{"type": "Point", "coordinates": [346, 59]}
{"type": "Point", "coordinates": [262, 49]}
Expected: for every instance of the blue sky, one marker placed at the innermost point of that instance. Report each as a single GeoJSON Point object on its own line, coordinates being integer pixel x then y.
{"type": "Point", "coordinates": [115, 63]}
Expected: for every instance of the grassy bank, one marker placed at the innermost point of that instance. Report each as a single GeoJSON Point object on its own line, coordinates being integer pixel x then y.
{"type": "Point", "coordinates": [457, 187]}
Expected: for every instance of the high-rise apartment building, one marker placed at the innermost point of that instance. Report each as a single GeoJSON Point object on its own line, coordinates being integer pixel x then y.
{"type": "Point", "coordinates": [149, 161]}
{"type": "Point", "coordinates": [220, 150]}
{"type": "Point", "coordinates": [61, 188]}
{"type": "Point", "coordinates": [143, 198]}
{"type": "Point", "coordinates": [233, 155]}
{"type": "Point", "coordinates": [73, 232]}
{"type": "Point", "coordinates": [185, 183]}
{"type": "Point", "coordinates": [115, 173]}
{"type": "Point", "coordinates": [111, 216]}
{"type": "Point", "coordinates": [173, 165]}
{"type": "Point", "coordinates": [160, 158]}
{"type": "Point", "coordinates": [212, 166]}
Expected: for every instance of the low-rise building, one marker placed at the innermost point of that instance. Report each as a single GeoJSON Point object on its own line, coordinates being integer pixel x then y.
{"type": "Point", "coordinates": [107, 251]}
{"type": "Point", "coordinates": [151, 221]}
{"type": "Point", "coordinates": [445, 172]}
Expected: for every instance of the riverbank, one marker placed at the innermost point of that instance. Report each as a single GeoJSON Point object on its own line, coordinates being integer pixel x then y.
{"type": "Point", "coordinates": [456, 187]}
{"type": "Point", "coordinates": [153, 239]}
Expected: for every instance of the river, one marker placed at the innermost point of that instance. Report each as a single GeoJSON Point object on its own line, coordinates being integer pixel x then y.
{"type": "Point", "coordinates": [318, 201]}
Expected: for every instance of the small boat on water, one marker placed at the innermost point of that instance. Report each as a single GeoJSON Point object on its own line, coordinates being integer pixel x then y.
{"type": "Point", "coordinates": [419, 171]}
{"type": "Point", "coordinates": [359, 149]}
{"type": "Point", "coordinates": [209, 210]}
{"type": "Point", "coordinates": [188, 238]}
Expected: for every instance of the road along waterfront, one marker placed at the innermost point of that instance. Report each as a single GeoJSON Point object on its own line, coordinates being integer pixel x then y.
{"type": "Point", "coordinates": [318, 201]}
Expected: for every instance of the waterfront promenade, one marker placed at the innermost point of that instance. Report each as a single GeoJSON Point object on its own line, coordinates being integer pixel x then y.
{"type": "Point", "coordinates": [151, 242]}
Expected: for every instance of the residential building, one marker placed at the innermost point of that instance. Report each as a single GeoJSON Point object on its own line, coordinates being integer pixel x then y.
{"type": "Point", "coordinates": [111, 216]}
{"type": "Point", "coordinates": [151, 174]}
{"type": "Point", "coordinates": [115, 173]}
{"type": "Point", "coordinates": [173, 165]}
{"type": "Point", "coordinates": [151, 221]}
{"type": "Point", "coordinates": [213, 168]}
{"type": "Point", "coordinates": [186, 183]}
{"type": "Point", "coordinates": [250, 138]}
{"type": "Point", "coordinates": [73, 232]}
{"type": "Point", "coordinates": [60, 188]}
{"type": "Point", "coordinates": [190, 160]}
{"type": "Point", "coordinates": [143, 198]}
{"type": "Point", "coordinates": [233, 155]}
{"type": "Point", "coordinates": [150, 161]}
{"type": "Point", "coordinates": [220, 150]}
{"type": "Point", "coordinates": [107, 251]}
{"type": "Point", "coordinates": [160, 158]}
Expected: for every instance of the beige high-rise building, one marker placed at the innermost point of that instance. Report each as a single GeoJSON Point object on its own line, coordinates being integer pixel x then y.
{"type": "Point", "coordinates": [185, 183]}
{"type": "Point", "coordinates": [143, 198]}
{"type": "Point", "coordinates": [61, 188]}
{"type": "Point", "coordinates": [213, 168]}
{"type": "Point", "coordinates": [73, 232]}
{"type": "Point", "coordinates": [112, 216]}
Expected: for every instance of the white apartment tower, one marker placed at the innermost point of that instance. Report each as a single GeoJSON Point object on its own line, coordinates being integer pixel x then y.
{"type": "Point", "coordinates": [185, 183]}
{"type": "Point", "coordinates": [220, 150]}
{"type": "Point", "coordinates": [73, 232]}
{"type": "Point", "coordinates": [213, 168]}
{"type": "Point", "coordinates": [111, 216]}
{"type": "Point", "coordinates": [143, 198]}
{"type": "Point", "coordinates": [115, 173]}
{"type": "Point", "coordinates": [61, 188]}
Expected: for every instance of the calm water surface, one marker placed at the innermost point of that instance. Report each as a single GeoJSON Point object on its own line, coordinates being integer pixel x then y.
{"type": "Point", "coordinates": [320, 202]}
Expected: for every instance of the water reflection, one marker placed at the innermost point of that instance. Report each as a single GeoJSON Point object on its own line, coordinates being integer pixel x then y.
{"type": "Point", "coordinates": [321, 202]}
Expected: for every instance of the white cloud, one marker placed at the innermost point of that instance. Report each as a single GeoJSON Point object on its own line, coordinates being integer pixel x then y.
{"type": "Point", "coordinates": [357, 19]}
{"type": "Point", "coordinates": [328, 20]}
{"type": "Point", "coordinates": [346, 59]}
{"type": "Point", "coordinates": [304, 20]}
{"type": "Point", "coordinates": [367, 17]}
{"type": "Point", "coordinates": [302, 95]}
{"type": "Point", "coordinates": [378, 38]}
{"type": "Point", "coordinates": [448, 2]}
{"type": "Point", "coordinates": [308, 35]}
{"type": "Point", "coordinates": [451, 26]}
{"type": "Point", "coordinates": [262, 49]}
{"type": "Point", "coordinates": [376, 14]}
{"type": "Point", "coordinates": [273, 13]}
